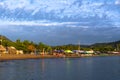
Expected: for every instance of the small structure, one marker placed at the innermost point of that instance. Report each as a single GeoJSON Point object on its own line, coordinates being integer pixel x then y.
{"type": "Point", "coordinates": [2, 49]}
{"type": "Point", "coordinates": [19, 52]}
{"type": "Point", "coordinates": [90, 52]}
{"type": "Point", "coordinates": [12, 50]}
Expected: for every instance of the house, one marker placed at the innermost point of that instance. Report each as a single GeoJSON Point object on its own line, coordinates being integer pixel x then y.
{"type": "Point", "coordinates": [90, 52]}
{"type": "Point", "coordinates": [2, 49]}
{"type": "Point", "coordinates": [12, 50]}
{"type": "Point", "coordinates": [19, 52]}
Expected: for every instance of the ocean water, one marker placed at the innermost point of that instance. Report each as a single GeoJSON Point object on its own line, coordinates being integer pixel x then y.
{"type": "Point", "coordinates": [91, 68]}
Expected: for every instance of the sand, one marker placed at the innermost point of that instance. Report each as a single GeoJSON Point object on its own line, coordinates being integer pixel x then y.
{"type": "Point", "coordinates": [31, 56]}
{"type": "Point", "coordinates": [24, 56]}
{"type": "Point", "coordinates": [4, 57]}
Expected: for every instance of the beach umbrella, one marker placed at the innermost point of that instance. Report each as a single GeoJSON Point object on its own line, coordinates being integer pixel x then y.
{"type": "Point", "coordinates": [68, 51]}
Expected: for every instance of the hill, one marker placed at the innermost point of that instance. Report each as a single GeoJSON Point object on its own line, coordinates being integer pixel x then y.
{"type": "Point", "coordinates": [5, 38]}
{"type": "Point", "coordinates": [114, 44]}
{"type": "Point", "coordinates": [103, 47]}
{"type": "Point", "coordinates": [5, 41]}
{"type": "Point", "coordinates": [110, 46]}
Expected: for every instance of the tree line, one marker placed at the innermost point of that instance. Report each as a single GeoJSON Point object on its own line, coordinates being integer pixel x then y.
{"type": "Point", "coordinates": [30, 46]}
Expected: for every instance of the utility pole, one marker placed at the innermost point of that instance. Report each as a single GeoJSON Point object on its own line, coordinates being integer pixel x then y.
{"type": "Point", "coordinates": [78, 52]}
{"type": "Point", "coordinates": [79, 46]}
{"type": "Point", "coordinates": [117, 45]}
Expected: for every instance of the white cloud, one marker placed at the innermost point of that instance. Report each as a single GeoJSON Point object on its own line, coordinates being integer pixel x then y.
{"type": "Point", "coordinates": [87, 8]}
{"type": "Point", "coordinates": [35, 11]}
{"type": "Point", "coordinates": [60, 9]}
{"type": "Point", "coordinates": [14, 4]}
{"type": "Point", "coordinates": [55, 6]}
{"type": "Point", "coordinates": [117, 2]}
{"type": "Point", "coordinates": [36, 23]}
{"type": "Point", "coordinates": [75, 26]}
{"type": "Point", "coordinates": [27, 4]}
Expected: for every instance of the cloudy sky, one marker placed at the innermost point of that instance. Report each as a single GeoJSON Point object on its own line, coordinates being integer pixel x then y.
{"type": "Point", "coordinates": [57, 22]}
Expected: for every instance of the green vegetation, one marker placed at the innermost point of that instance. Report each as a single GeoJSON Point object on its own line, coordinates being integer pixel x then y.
{"type": "Point", "coordinates": [29, 46]}
{"type": "Point", "coordinates": [104, 47]}
{"type": "Point", "coordinates": [26, 46]}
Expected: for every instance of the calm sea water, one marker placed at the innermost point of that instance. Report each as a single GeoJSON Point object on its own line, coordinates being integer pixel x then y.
{"type": "Point", "coordinates": [92, 68]}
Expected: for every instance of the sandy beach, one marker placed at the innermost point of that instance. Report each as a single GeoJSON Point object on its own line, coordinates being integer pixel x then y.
{"type": "Point", "coordinates": [24, 56]}
{"type": "Point", "coordinates": [5, 57]}
{"type": "Point", "coordinates": [32, 56]}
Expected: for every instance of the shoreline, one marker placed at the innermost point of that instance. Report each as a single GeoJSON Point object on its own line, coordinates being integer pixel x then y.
{"type": "Point", "coordinates": [32, 56]}
{"type": "Point", "coordinates": [24, 56]}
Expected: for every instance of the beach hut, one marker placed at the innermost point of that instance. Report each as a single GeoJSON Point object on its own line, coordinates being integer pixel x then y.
{"type": "Point", "coordinates": [2, 49]}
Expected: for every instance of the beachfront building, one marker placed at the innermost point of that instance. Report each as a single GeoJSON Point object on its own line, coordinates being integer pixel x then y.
{"type": "Point", "coordinates": [90, 52]}
{"type": "Point", "coordinates": [2, 49]}
{"type": "Point", "coordinates": [12, 50]}
{"type": "Point", "coordinates": [19, 52]}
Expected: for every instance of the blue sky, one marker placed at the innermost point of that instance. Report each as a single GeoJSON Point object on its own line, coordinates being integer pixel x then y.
{"type": "Point", "coordinates": [57, 22]}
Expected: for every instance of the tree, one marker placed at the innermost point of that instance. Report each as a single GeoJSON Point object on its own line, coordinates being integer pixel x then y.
{"type": "Point", "coordinates": [20, 46]}
{"type": "Point", "coordinates": [31, 48]}
{"type": "Point", "coordinates": [41, 46]}
{"type": "Point", "coordinates": [26, 42]}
